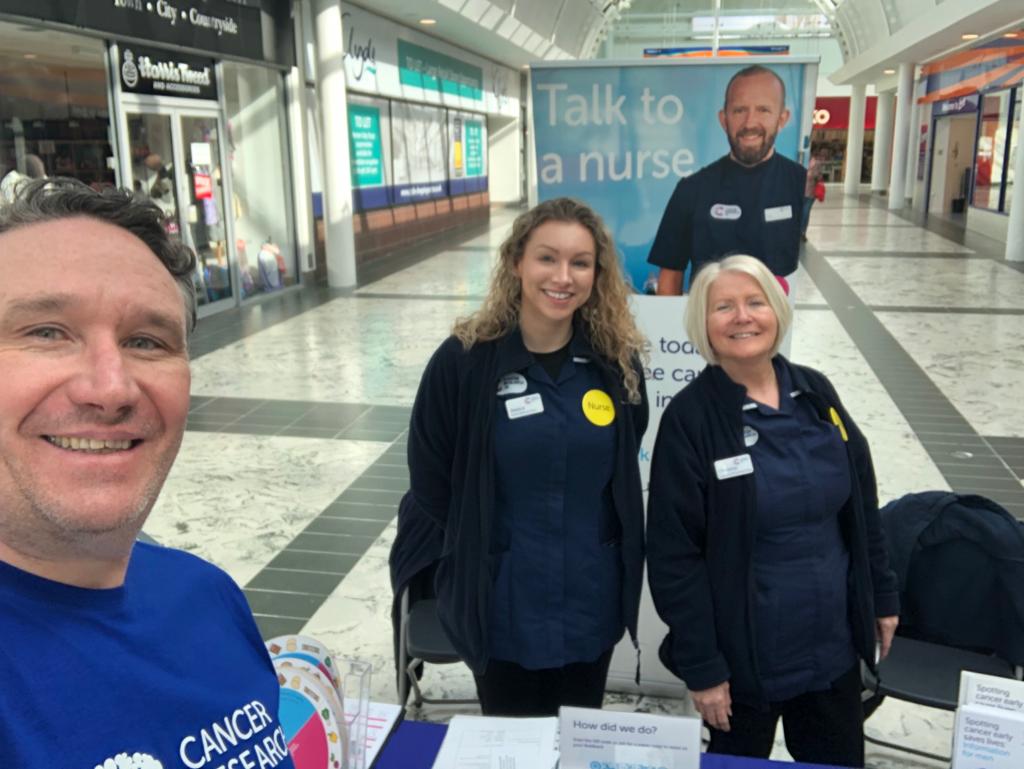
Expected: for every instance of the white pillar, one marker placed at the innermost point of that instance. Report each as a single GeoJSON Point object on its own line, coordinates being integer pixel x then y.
{"type": "Point", "coordinates": [855, 140]}
{"type": "Point", "coordinates": [904, 101]}
{"type": "Point", "coordinates": [337, 174]}
{"type": "Point", "coordinates": [1015, 230]}
{"type": "Point", "coordinates": [883, 142]}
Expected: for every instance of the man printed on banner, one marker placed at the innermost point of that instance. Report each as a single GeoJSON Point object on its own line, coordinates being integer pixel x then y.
{"type": "Point", "coordinates": [748, 201]}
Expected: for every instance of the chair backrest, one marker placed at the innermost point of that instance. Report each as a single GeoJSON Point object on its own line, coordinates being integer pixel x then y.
{"type": "Point", "coordinates": [961, 563]}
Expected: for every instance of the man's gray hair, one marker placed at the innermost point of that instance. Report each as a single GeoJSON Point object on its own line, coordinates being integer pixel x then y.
{"type": "Point", "coordinates": [48, 200]}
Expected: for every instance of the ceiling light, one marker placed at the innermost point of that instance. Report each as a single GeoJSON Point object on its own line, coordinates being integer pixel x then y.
{"type": "Point", "coordinates": [428, 22]}
{"type": "Point", "coordinates": [1012, 34]}
{"type": "Point", "coordinates": [969, 36]}
{"type": "Point", "coordinates": [30, 55]}
{"type": "Point", "coordinates": [888, 72]}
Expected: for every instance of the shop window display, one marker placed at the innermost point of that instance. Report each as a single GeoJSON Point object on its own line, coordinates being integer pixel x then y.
{"type": "Point", "coordinates": [54, 118]}
{"type": "Point", "coordinates": [990, 156]}
{"type": "Point", "coordinates": [261, 206]}
{"type": "Point", "coordinates": [1011, 158]}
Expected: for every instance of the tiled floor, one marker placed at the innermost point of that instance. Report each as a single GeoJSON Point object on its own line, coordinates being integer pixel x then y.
{"type": "Point", "coordinates": [295, 458]}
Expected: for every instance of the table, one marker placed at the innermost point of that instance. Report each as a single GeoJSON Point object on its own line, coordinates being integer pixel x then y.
{"type": "Point", "coordinates": [414, 745]}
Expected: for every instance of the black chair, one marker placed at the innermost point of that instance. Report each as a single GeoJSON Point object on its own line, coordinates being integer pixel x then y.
{"type": "Point", "coordinates": [421, 639]}
{"type": "Point", "coordinates": [960, 563]}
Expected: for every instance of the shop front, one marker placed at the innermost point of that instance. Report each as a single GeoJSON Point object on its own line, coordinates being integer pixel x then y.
{"type": "Point", "coordinates": [830, 126]}
{"type": "Point", "coordinates": [186, 108]}
{"type": "Point", "coordinates": [975, 100]}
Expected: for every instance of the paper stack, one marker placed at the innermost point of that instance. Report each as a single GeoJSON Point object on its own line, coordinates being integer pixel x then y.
{"type": "Point", "coordinates": [989, 723]}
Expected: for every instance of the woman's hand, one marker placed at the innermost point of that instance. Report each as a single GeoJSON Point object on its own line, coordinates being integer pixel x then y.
{"type": "Point", "coordinates": [885, 627]}
{"type": "Point", "coordinates": [714, 705]}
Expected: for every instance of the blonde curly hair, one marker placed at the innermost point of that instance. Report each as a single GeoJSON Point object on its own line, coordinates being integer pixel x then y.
{"type": "Point", "coordinates": [605, 315]}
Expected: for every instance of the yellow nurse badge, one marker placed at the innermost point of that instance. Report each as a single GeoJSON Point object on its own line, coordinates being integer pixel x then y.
{"type": "Point", "coordinates": [598, 408]}
{"type": "Point", "coordinates": [838, 423]}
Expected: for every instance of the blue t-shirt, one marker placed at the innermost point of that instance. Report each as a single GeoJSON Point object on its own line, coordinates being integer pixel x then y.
{"type": "Point", "coordinates": [167, 671]}
{"type": "Point", "coordinates": [727, 208]}
{"type": "Point", "coordinates": [558, 585]}
{"type": "Point", "coordinates": [801, 563]}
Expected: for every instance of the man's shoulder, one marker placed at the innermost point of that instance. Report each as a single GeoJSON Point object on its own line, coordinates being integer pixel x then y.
{"type": "Point", "coordinates": [789, 166]}
{"type": "Point", "coordinates": [152, 562]}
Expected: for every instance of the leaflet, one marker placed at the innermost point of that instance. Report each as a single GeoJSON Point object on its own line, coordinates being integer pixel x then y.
{"type": "Point", "coordinates": [989, 723]}
{"type": "Point", "coordinates": [482, 742]}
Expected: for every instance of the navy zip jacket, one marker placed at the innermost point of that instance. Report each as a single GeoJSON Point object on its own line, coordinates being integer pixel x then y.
{"type": "Point", "coordinates": [701, 535]}
{"type": "Point", "coordinates": [452, 477]}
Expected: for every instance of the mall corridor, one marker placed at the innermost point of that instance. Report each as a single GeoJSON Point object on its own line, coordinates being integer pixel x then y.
{"type": "Point", "coordinates": [294, 459]}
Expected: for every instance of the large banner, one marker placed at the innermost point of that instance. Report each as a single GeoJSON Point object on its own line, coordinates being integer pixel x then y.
{"type": "Point", "coordinates": [621, 136]}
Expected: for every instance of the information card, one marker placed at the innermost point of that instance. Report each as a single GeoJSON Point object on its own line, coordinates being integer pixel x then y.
{"type": "Point", "coordinates": [989, 723]}
{"type": "Point", "coordinates": [612, 740]}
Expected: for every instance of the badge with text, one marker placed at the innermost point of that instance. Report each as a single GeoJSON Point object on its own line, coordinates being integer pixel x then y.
{"type": "Point", "coordinates": [517, 408]}
{"type": "Point", "coordinates": [512, 384]}
{"type": "Point", "coordinates": [726, 212]}
{"type": "Point", "coordinates": [778, 213]}
{"type": "Point", "coordinates": [598, 408]}
{"type": "Point", "coordinates": [733, 467]}
{"type": "Point", "coordinates": [599, 738]}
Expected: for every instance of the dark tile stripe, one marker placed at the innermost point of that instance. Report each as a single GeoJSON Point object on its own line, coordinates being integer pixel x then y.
{"type": "Point", "coordinates": [301, 577]}
{"type": "Point", "coordinates": [947, 310]}
{"type": "Point", "coordinates": [967, 461]}
{"type": "Point", "coordinates": [271, 627]}
{"type": "Point", "coordinates": [305, 419]}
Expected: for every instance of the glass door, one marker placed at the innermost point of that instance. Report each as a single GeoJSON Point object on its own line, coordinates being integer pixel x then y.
{"type": "Point", "coordinates": [204, 218]}
{"type": "Point", "coordinates": [175, 161]}
{"type": "Point", "coordinates": [151, 147]}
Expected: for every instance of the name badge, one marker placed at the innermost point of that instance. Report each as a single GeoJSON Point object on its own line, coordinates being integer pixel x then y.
{"type": "Point", "coordinates": [726, 212]}
{"type": "Point", "coordinates": [778, 213]}
{"type": "Point", "coordinates": [512, 384]}
{"type": "Point", "coordinates": [525, 406]}
{"type": "Point", "coordinates": [732, 467]}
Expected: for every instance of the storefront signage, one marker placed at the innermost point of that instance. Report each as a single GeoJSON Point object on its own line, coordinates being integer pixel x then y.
{"type": "Point", "coordinates": [433, 71]}
{"type": "Point", "coordinates": [202, 186]}
{"type": "Point", "coordinates": [474, 149]}
{"type": "Point", "coordinates": [214, 26]}
{"type": "Point", "coordinates": [364, 134]}
{"type": "Point", "coordinates": [382, 58]}
{"type": "Point", "coordinates": [832, 113]}
{"type": "Point", "coordinates": [360, 53]}
{"type": "Point", "coordinates": [162, 73]}
{"type": "Point", "coordinates": [958, 106]}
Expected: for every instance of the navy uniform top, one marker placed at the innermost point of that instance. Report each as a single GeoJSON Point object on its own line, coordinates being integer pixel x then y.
{"type": "Point", "coordinates": [557, 585]}
{"type": "Point", "coordinates": [801, 562]}
{"type": "Point", "coordinates": [728, 208]}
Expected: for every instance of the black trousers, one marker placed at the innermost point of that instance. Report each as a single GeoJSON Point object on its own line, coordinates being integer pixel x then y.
{"type": "Point", "coordinates": [824, 727]}
{"type": "Point", "coordinates": [508, 689]}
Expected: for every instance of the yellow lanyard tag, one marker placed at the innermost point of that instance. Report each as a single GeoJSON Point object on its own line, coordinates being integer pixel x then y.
{"type": "Point", "coordinates": [838, 423]}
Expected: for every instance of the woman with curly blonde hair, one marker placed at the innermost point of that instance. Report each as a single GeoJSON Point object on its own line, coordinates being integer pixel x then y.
{"type": "Point", "coordinates": [523, 450]}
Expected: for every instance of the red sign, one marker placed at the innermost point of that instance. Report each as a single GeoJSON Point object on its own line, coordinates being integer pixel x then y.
{"type": "Point", "coordinates": [833, 112]}
{"type": "Point", "coordinates": [203, 186]}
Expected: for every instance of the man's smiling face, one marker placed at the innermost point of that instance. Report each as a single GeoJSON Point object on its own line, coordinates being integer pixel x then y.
{"type": "Point", "coordinates": [94, 382]}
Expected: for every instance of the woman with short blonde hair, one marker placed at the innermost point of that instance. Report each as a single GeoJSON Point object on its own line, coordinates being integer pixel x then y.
{"type": "Point", "coordinates": [765, 551]}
